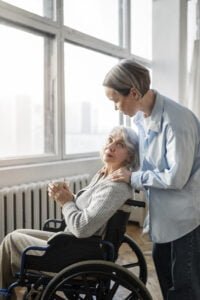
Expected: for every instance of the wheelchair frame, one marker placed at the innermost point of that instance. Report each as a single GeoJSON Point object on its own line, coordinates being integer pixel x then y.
{"type": "Point", "coordinates": [96, 276]}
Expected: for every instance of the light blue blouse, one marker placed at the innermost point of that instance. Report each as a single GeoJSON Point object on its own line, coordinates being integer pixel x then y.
{"type": "Point", "coordinates": [170, 169]}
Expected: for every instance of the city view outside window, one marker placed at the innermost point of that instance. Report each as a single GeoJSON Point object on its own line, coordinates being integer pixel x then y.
{"type": "Point", "coordinates": [22, 93]}
{"type": "Point", "coordinates": [88, 114]}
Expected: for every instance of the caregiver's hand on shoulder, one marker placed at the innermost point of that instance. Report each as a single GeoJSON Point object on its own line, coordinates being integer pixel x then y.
{"type": "Point", "coordinates": [121, 174]}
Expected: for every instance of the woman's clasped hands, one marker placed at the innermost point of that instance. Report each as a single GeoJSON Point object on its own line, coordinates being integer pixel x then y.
{"type": "Point", "coordinates": [60, 192]}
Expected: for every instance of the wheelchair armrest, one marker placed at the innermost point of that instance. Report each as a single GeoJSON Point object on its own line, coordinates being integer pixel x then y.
{"type": "Point", "coordinates": [59, 237]}
{"type": "Point", "coordinates": [24, 256]}
{"type": "Point", "coordinates": [52, 225]}
{"type": "Point", "coordinates": [62, 238]}
{"type": "Point", "coordinates": [135, 203]}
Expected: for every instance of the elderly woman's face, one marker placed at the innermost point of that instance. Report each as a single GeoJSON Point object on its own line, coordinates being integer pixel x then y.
{"type": "Point", "coordinates": [115, 152]}
{"type": "Point", "coordinates": [126, 104]}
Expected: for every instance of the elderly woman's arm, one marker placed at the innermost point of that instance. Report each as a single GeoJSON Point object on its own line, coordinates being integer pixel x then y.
{"type": "Point", "coordinates": [104, 202]}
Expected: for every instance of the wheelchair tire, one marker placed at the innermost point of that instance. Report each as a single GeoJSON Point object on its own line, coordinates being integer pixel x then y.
{"type": "Point", "coordinates": [95, 279]}
{"type": "Point", "coordinates": [137, 262]}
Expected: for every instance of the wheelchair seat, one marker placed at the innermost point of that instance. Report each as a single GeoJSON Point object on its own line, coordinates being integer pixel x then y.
{"type": "Point", "coordinates": [68, 249]}
{"type": "Point", "coordinates": [83, 265]}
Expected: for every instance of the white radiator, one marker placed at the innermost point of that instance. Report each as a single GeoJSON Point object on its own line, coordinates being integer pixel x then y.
{"type": "Point", "coordinates": [28, 205]}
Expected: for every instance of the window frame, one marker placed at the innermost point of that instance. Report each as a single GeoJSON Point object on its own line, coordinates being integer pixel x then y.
{"type": "Point", "coordinates": [55, 28]}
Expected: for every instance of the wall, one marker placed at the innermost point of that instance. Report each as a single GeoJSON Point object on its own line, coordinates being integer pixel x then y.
{"type": "Point", "coordinates": [169, 47]}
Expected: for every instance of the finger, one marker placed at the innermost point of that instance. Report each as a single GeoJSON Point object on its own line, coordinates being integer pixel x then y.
{"type": "Point", "coordinates": [51, 195]}
{"type": "Point", "coordinates": [49, 189]}
{"type": "Point", "coordinates": [51, 184]}
{"type": "Point", "coordinates": [56, 195]}
{"type": "Point", "coordinates": [66, 182]}
{"type": "Point", "coordinates": [66, 187]}
{"type": "Point", "coordinates": [118, 178]}
{"type": "Point", "coordinates": [115, 177]}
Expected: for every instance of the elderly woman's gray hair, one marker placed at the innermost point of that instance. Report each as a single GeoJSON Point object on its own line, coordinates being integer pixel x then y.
{"type": "Point", "coordinates": [131, 140]}
{"type": "Point", "coordinates": [128, 74]}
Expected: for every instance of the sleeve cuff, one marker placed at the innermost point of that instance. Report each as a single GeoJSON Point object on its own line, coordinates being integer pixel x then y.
{"type": "Point", "coordinates": [136, 180]}
{"type": "Point", "coordinates": [67, 205]}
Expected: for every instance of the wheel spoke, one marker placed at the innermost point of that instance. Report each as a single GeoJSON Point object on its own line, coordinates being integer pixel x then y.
{"type": "Point", "coordinates": [112, 291]}
{"type": "Point", "coordinates": [87, 288]}
{"type": "Point", "coordinates": [133, 296]}
{"type": "Point", "coordinates": [131, 265]}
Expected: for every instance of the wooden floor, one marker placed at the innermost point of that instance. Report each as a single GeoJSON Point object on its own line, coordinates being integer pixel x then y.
{"type": "Point", "coordinates": [144, 243]}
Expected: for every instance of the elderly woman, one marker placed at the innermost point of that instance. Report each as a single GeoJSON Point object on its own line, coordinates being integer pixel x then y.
{"type": "Point", "coordinates": [86, 213]}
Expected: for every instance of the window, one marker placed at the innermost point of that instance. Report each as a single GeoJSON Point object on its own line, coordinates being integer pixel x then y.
{"type": "Point", "coordinates": [52, 102]}
{"type": "Point", "coordinates": [141, 28]}
{"type": "Point", "coordinates": [22, 109]}
{"type": "Point", "coordinates": [89, 115]}
{"type": "Point", "coordinates": [99, 18]}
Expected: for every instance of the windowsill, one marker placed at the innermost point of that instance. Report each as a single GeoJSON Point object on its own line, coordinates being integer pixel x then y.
{"type": "Point", "coordinates": [14, 175]}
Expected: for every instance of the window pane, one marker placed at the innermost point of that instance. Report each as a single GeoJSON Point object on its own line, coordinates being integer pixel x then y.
{"type": "Point", "coordinates": [39, 7]}
{"type": "Point", "coordinates": [141, 28]}
{"type": "Point", "coordinates": [98, 18]}
{"type": "Point", "coordinates": [21, 93]}
{"type": "Point", "coordinates": [89, 114]}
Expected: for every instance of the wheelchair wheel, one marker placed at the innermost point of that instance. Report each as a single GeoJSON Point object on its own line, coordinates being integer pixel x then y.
{"type": "Point", "coordinates": [137, 263]}
{"type": "Point", "coordinates": [95, 279]}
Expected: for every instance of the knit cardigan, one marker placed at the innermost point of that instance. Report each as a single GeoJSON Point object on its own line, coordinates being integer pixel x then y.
{"type": "Point", "coordinates": [94, 205]}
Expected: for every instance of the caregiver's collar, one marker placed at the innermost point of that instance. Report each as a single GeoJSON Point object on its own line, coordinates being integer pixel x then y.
{"type": "Point", "coordinates": [156, 114]}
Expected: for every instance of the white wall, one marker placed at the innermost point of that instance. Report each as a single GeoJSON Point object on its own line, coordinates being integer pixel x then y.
{"type": "Point", "coordinates": [169, 47]}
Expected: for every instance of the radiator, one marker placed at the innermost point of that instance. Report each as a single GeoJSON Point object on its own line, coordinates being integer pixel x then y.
{"type": "Point", "coordinates": [28, 205]}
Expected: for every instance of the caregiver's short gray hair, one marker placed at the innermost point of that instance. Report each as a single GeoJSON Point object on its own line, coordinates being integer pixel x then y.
{"type": "Point", "coordinates": [128, 74]}
{"type": "Point", "coordinates": [131, 140]}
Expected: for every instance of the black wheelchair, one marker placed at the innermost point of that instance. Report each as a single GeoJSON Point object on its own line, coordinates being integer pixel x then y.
{"type": "Point", "coordinates": [84, 268]}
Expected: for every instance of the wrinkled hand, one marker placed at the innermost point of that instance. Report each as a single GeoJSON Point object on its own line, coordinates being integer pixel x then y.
{"type": "Point", "coordinates": [60, 192]}
{"type": "Point", "coordinates": [121, 174]}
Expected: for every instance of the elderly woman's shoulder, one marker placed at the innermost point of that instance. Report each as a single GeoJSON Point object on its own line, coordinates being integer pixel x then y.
{"type": "Point", "coordinates": [120, 185]}
{"type": "Point", "coordinates": [108, 182]}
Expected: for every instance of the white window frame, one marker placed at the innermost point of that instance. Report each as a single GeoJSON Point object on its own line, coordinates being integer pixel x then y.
{"type": "Point", "coordinates": [25, 20]}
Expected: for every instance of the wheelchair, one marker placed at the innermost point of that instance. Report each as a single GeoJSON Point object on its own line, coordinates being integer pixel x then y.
{"type": "Point", "coordinates": [84, 268]}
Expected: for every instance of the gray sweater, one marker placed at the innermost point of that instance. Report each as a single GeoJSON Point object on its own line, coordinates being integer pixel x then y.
{"type": "Point", "coordinates": [94, 205]}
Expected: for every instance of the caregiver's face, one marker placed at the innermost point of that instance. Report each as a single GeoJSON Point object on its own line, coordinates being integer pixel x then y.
{"type": "Point", "coordinates": [126, 104]}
